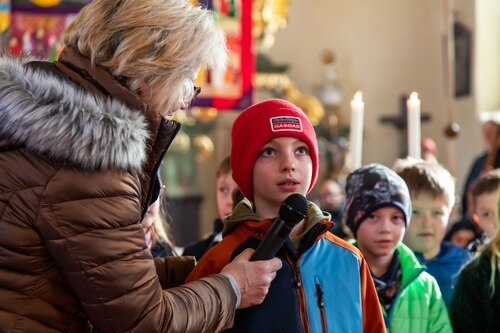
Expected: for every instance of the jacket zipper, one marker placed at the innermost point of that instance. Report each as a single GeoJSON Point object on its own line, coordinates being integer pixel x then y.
{"type": "Point", "coordinates": [321, 304]}
{"type": "Point", "coordinates": [396, 297]}
{"type": "Point", "coordinates": [301, 295]}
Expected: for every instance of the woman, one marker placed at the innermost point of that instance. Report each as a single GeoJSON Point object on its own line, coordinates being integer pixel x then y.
{"type": "Point", "coordinates": [80, 143]}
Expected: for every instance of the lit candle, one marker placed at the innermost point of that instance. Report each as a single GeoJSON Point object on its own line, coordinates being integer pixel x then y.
{"type": "Point", "coordinates": [413, 106]}
{"type": "Point", "coordinates": [356, 135]}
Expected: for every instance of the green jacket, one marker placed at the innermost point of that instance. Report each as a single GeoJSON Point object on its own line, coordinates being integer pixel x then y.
{"type": "Point", "coordinates": [418, 306]}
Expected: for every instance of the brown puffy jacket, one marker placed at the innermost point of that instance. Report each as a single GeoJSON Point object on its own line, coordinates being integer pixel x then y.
{"type": "Point", "coordinates": [76, 165]}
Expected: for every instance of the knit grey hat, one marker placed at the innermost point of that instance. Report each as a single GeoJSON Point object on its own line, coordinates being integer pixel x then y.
{"type": "Point", "coordinates": [371, 187]}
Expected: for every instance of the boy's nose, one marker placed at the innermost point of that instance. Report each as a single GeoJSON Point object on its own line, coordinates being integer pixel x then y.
{"type": "Point", "coordinates": [384, 225]}
{"type": "Point", "coordinates": [426, 219]}
{"type": "Point", "coordinates": [287, 163]}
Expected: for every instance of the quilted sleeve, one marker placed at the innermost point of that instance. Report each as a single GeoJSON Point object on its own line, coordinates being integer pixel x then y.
{"type": "Point", "coordinates": [89, 223]}
{"type": "Point", "coordinates": [172, 271]}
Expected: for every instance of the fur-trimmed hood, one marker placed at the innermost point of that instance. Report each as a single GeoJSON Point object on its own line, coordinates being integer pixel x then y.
{"type": "Point", "coordinates": [49, 114]}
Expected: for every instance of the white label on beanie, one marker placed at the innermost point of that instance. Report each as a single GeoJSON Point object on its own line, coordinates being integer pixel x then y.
{"type": "Point", "coordinates": [286, 124]}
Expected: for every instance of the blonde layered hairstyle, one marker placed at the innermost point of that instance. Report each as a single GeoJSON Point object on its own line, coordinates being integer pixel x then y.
{"type": "Point", "coordinates": [493, 250]}
{"type": "Point", "coordinates": [156, 43]}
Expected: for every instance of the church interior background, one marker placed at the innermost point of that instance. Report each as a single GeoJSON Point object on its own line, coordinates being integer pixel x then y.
{"type": "Point", "coordinates": [318, 54]}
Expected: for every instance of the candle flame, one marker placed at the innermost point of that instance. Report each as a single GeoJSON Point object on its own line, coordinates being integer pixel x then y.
{"type": "Point", "coordinates": [358, 96]}
{"type": "Point", "coordinates": [414, 96]}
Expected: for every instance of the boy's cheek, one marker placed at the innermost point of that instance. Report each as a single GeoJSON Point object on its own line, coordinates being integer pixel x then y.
{"type": "Point", "coordinates": [402, 236]}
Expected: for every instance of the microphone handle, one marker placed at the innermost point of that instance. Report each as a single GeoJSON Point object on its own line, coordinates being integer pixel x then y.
{"type": "Point", "coordinates": [272, 241]}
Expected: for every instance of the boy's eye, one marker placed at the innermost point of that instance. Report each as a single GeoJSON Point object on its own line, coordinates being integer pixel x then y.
{"type": "Point", "coordinates": [302, 151]}
{"type": "Point", "coordinates": [223, 190]}
{"type": "Point", "coordinates": [267, 152]}
{"type": "Point", "coordinates": [486, 215]}
{"type": "Point", "coordinates": [437, 213]}
{"type": "Point", "coordinates": [398, 218]}
{"type": "Point", "coordinates": [415, 212]}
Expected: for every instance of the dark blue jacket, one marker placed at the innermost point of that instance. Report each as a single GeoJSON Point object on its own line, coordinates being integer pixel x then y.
{"type": "Point", "coordinates": [446, 267]}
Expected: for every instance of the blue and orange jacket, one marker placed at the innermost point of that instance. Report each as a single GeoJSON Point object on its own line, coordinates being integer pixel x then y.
{"type": "Point", "coordinates": [324, 285]}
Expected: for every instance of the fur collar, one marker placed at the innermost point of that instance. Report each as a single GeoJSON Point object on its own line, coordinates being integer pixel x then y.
{"type": "Point", "coordinates": [50, 115]}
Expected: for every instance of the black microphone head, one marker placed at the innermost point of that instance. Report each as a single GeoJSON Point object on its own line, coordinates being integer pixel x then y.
{"type": "Point", "coordinates": [294, 209]}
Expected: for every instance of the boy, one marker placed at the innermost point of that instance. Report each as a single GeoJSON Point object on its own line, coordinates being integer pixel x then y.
{"type": "Point", "coordinates": [325, 284]}
{"type": "Point", "coordinates": [378, 211]}
{"type": "Point", "coordinates": [225, 187]}
{"type": "Point", "coordinates": [485, 192]}
{"type": "Point", "coordinates": [331, 199]}
{"type": "Point", "coordinates": [432, 190]}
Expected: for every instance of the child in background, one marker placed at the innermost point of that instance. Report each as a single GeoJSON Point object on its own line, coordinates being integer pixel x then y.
{"type": "Point", "coordinates": [378, 211]}
{"type": "Point", "coordinates": [325, 284]}
{"type": "Point", "coordinates": [462, 233]}
{"type": "Point", "coordinates": [225, 186]}
{"type": "Point", "coordinates": [331, 200]}
{"type": "Point", "coordinates": [485, 196]}
{"type": "Point", "coordinates": [475, 306]}
{"type": "Point", "coordinates": [155, 226]}
{"type": "Point", "coordinates": [432, 190]}
{"type": "Point", "coordinates": [159, 240]}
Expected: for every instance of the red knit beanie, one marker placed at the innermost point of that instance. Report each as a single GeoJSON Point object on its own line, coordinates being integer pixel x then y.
{"type": "Point", "coordinates": [259, 124]}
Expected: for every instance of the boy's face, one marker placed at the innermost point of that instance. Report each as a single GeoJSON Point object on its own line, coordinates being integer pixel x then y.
{"type": "Point", "coordinates": [487, 212]}
{"type": "Point", "coordinates": [380, 233]}
{"type": "Point", "coordinates": [330, 196]}
{"type": "Point", "coordinates": [462, 238]}
{"type": "Point", "coordinates": [283, 167]}
{"type": "Point", "coordinates": [225, 186]}
{"type": "Point", "coordinates": [428, 224]}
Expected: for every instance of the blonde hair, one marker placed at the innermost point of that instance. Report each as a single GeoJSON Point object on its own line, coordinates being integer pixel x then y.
{"type": "Point", "coordinates": [493, 250]}
{"type": "Point", "coordinates": [160, 229]}
{"type": "Point", "coordinates": [427, 177]}
{"type": "Point", "coordinates": [161, 43]}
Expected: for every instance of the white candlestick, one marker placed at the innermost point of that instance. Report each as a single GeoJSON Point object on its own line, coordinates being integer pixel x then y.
{"type": "Point", "coordinates": [356, 135]}
{"type": "Point", "coordinates": [413, 107]}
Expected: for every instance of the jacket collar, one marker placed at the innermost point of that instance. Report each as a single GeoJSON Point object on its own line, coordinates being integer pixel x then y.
{"type": "Point", "coordinates": [82, 117]}
{"type": "Point", "coordinates": [317, 223]}
{"type": "Point", "coordinates": [96, 79]}
{"type": "Point", "coordinates": [102, 83]}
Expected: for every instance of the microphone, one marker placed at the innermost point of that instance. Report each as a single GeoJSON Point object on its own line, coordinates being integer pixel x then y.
{"type": "Point", "coordinates": [292, 211]}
